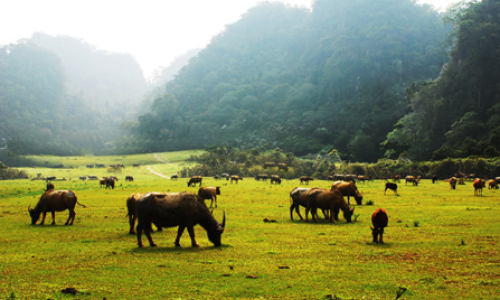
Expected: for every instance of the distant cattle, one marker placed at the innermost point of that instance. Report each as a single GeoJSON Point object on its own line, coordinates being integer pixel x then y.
{"type": "Point", "coordinates": [305, 179]}
{"type": "Point", "coordinates": [262, 177]}
{"type": "Point", "coordinates": [348, 189]}
{"type": "Point", "coordinates": [453, 182]}
{"type": "Point", "coordinates": [92, 177]}
{"type": "Point", "coordinates": [90, 166]}
{"type": "Point", "coordinates": [478, 185]}
{"type": "Point", "coordinates": [363, 178]}
{"type": "Point", "coordinates": [276, 179]}
{"type": "Point", "coordinates": [412, 180]}
{"type": "Point", "coordinates": [283, 166]}
{"type": "Point", "coordinates": [396, 178]}
{"type": "Point", "coordinates": [109, 182]}
{"type": "Point", "coordinates": [194, 180]}
{"type": "Point", "coordinates": [379, 222]}
{"type": "Point", "coordinates": [492, 184]}
{"type": "Point", "coordinates": [82, 178]}
{"type": "Point", "coordinates": [434, 178]}
{"type": "Point", "coordinates": [174, 177]}
{"type": "Point", "coordinates": [209, 193]}
{"type": "Point", "coordinates": [136, 165]}
{"type": "Point", "coordinates": [50, 178]}
{"type": "Point", "coordinates": [129, 178]}
{"type": "Point", "coordinates": [235, 178]}
{"type": "Point", "coordinates": [269, 164]}
{"type": "Point", "coordinates": [391, 186]}
{"type": "Point", "coordinates": [100, 166]}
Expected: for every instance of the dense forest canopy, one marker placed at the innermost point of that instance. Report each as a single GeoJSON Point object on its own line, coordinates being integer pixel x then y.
{"type": "Point", "coordinates": [365, 78]}
{"type": "Point", "coordinates": [302, 80]}
{"type": "Point", "coordinates": [458, 113]}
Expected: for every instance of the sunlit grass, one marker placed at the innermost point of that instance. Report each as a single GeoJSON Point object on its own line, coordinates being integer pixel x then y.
{"type": "Point", "coordinates": [451, 254]}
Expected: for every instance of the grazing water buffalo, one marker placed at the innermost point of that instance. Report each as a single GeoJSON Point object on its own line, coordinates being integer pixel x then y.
{"type": "Point", "coordinates": [331, 200]}
{"type": "Point", "coordinates": [268, 164]}
{"type": "Point", "coordinates": [52, 201]}
{"type": "Point", "coordinates": [453, 182]}
{"type": "Point", "coordinates": [348, 189]}
{"type": "Point", "coordinates": [262, 177]}
{"type": "Point", "coordinates": [478, 185]}
{"type": "Point", "coordinates": [177, 209]}
{"type": "Point", "coordinates": [209, 192]}
{"type": "Point", "coordinates": [412, 180]}
{"type": "Point", "coordinates": [299, 197]}
{"type": "Point", "coordinates": [283, 166]}
{"type": "Point", "coordinates": [276, 179]}
{"type": "Point", "coordinates": [109, 182]}
{"type": "Point", "coordinates": [174, 177]}
{"type": "Point", "coordinates": [434, 178]}
{"type": "Point", "coordinates": [492, 184]}
{"type": "Point", "coordinates": [305, 179]}
{"type": "Point", "coordinates": [391, 186]}
{"type": "Point", "coordinates": [235, 178]}
{"type": "Point", "coordinates": [129, 178]}
{"type": "Point", "coordinates": [194, 180]}
{"type": "Point", "coordinates": [379, 221]}
{"type": "Point", "coordinates": [132, 213]}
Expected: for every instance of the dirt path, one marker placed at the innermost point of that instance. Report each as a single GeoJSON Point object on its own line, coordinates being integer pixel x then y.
{"type": "Point", "coordinates": [156, 173]}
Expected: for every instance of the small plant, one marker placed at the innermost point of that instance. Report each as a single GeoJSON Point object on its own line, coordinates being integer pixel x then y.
{"type": "Point", "coordinates": [356, 217]}
{"type": "Point", "coordinates": [416, 223]}
{"type": "Point", "coordinates": [369, 202]}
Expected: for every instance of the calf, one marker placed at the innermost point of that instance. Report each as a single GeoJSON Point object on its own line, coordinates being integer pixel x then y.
{"type": "Point", "coordinates": [209, 192]}
{"type": "Point", "coordinates": [379, 221]}
{"type": "Point", "coordinates": [391, 186]}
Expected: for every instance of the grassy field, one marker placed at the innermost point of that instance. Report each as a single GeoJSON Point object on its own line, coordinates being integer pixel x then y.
{"type": "Point", "coordinates": [440, 243]}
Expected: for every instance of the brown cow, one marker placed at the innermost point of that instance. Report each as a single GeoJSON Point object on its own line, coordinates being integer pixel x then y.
{"type": "Point", "coordinates": [52, 201]}
{"type": "Point", "coordinates": [209, 192]}
{"type": "Point", "coordinates": [102, 182]}
{"type": "Point", "coordinates": [412, 179]}
{"type": "Point", "coordinates": [348, 189]}
{"type": "Point", "coordinates": [110, 182]}
{"type": "Point", "coordinates": [235, 178]}
{"type": "Point", "coordinates": [379, 221]}
{"type": "Point", "coordinates": [331, 200]}
{"type": "Point", "coordinates": [129, 178]}
{"type": "Point", "coordinates": [453, 182]}
{"type": "Point", "coordinates": [194, 180]}
{"type": "Point", "coordinates": [305, 179]}
{"type": "Point", "coordinates": [492, 184]}
{"type": "Point", "coordinates": [478, 185]}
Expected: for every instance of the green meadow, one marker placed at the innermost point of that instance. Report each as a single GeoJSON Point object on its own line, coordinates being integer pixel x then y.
{"type": "Point", "coordinates": [440, 243]}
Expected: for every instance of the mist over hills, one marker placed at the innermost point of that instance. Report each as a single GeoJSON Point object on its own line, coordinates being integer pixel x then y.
{"type": "Point", "coordinates": [367, 78]}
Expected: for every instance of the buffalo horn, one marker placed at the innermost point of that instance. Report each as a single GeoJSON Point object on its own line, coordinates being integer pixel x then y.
{"type": "Point", "coordinates": [224, 220]}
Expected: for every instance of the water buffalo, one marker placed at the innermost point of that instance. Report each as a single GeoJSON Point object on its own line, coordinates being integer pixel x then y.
{"type": "Point", "coordinates": [174, 177]}
{"type": "Point", "coordinates": [391, 186]}
{"type": "Point", "coordinates": [82, 177]}
{"type": "Point", "coordinates": [331, 200]}
{"type": "Point", "coordinates": [379, 221]}
{"type": "Point", "coordinates": [52, 201]}
{"type": "Point", "coordinates": [299, 197]}
{"type": "Point", "coordinates": [194, 180]}
{"type": "Point", "coordinates": [348, 189]}
{"type": "Point", "coordinates": [275, 179]}
{"type": "Point", "coordinates": [305, 179]}
{"type": "Point", "coordinates": [492, 184]}
{"type": "Point", "coordinates": [262, 177]}
{"type": "Point", "coordinates": [434, 178]}
{"type": "Point", "coordinates": [132, 213]}
{"type": "Point", "coordinates": [209, 192]}
{"type": "Point", "coordinates": [412, 180]}
{"type": "Point", "coordinates": [283, 166]}
{"type": "Point", "coordinates": [478, 185]}
{"type": "Point", "coordinates": [268, 164]}
{"type": "Point", "coordinates": [235, 178]}
{"type": "Point", "coordinates": [129, 178]}
{"type": "Point", "coordinates": [50, 186]}
{"type": "Point", "coordinates": [453, 182]}
{"type": "Point", "coordinates": [177, 209]}
{"type": "Point", "coordinates": [109, 182]}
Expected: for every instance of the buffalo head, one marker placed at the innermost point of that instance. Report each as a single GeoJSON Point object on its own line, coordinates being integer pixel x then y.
{"type": "Point", "coordinates": [214, 234]}
{"type": "Point", "coordinates": [34, 216]}
{"type": "Point", "coordinates": [348, 214]}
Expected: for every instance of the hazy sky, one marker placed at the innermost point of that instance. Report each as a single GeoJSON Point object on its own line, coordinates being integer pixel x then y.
{"type": "Point", "coordinates": [153, 31]}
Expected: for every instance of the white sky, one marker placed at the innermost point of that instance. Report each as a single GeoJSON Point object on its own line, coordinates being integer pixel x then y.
{"type": "Point", "coordinates": [153, 31]}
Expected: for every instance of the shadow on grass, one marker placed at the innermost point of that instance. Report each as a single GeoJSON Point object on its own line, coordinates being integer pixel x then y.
{"type": "Point", "coordinates": [178, 250]}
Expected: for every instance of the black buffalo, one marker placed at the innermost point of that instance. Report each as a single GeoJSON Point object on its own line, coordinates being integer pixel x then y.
{"type": "Point", "coordinates": [183, 209]}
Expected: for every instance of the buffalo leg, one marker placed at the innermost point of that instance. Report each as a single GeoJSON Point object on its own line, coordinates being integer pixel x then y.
{"type": "Point", "coordinates": [71, 217]}
{"type": "Point", "coordinates": [53, 213]}
{"type": "Point", "coordinates": [215, 202]}
{"type": "Point", "coordinates": [381, 235]}
{"type": "Point", "coordinates": [191, 235]}
{"type": "Point", "coordinates": [43, 217]}
{"type": "Point", "coordinates": [131, 221]}
{"type": "Point", "coordinates": [179, 233]}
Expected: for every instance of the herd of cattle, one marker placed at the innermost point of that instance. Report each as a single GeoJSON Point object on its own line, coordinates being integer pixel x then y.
{"type": "Point", "coordinates": [186, 209]}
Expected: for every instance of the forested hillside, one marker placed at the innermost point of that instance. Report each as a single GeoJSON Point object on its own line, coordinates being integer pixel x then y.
{"type": "Point", "coordinates": [305, 81]}
{"type": "Point", "coordinates": [458, 113]}
{"type": "Point", "coordinates": [59, 96]}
